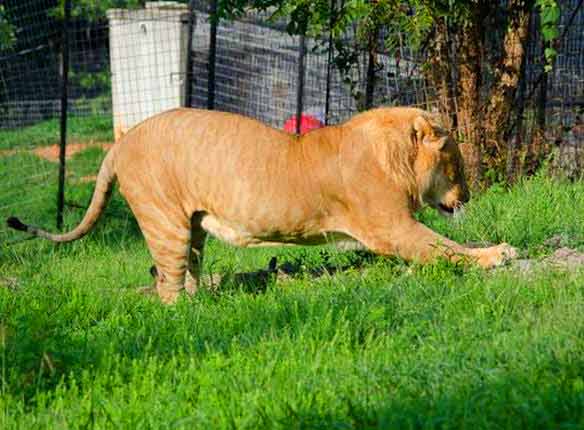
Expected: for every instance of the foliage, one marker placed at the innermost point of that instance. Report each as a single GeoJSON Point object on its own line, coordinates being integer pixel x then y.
{"type": "Point", "coordinates": [98, 82]}
{"type": "Point", "coordinates": [412, 17]}
{"type": "Point", "coordinates": [94, 10]}
{"type": "Point", "coordinates": [6, 30]}
{"type": "Point", "coordinates": [549, 12]}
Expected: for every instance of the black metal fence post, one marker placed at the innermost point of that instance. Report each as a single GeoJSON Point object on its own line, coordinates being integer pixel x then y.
{"type": "Point", "coordinates": [300, 89]}
{"type": "Point", "coordinates": [64, 108]}
{"type": "Point", "coordinates": [327, 102]}
{"type": "Point", "coordinates": [370, 86]}
{"type": "Point", "coordinates": [212, 55]}
{"type": "Point", "coordinates": [542, 95]}
{"type": "Point", "coordinates": [189, 65]}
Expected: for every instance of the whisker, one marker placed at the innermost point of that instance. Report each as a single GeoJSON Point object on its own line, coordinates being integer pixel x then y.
{"type": "Point", "coordinates": [458, 213]}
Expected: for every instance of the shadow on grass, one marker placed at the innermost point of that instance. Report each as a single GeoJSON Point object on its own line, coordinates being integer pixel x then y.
{"type": "Point", "coordinates": [512, 401]}
{"type": "Point", "coordinates": [258, 281]}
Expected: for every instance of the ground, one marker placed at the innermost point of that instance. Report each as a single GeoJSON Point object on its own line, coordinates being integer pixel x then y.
{"type": "Point", "coordinates": [343, 340]}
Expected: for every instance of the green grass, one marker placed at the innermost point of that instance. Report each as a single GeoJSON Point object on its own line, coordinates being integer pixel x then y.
{"type": "Point", "coordinates": [384, 344]}
{"type": "Point", "coordinates": [29, 187]}
{"type": "Point", "coordinates": [81, 129]}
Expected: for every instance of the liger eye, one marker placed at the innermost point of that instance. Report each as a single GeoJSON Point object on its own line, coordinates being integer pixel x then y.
{"type": "Point", "coordinates": [449, 169]}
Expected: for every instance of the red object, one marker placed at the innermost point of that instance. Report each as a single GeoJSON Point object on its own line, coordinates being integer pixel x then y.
{"type": "Point", "coordinates": [307, 123]}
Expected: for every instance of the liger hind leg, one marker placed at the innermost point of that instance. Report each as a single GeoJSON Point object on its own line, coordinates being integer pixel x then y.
{"type": "Point", "coordinates": [168, 237]}
{"type": "Point", "coordinates": [195, 261]}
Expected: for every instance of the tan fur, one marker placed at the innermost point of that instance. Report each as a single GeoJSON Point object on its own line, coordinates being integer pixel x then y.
{"type": "Point", "coordinates": [187, 172]}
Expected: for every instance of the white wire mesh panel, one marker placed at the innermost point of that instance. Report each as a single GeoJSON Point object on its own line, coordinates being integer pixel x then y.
{"type": "Point", "coordinates": [148, 62]}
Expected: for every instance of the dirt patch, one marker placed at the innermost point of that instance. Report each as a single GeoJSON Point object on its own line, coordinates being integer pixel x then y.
{"type": "Point", "coordinates": [87, 179]}
{"type": "Point", "coordinates": [562, 259]}
{"type": "Point", "coordinates": [566, 257]}
{"type": "Point", "coordinates": [7, 152]}
{"type": "Point", "coordinates": [9, 283]}
{"type": "Point", "coordinates": [51, 153]}
{"type": "Point", "coordinates": [557, 241]}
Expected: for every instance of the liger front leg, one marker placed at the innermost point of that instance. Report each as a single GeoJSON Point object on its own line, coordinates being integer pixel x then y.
{"type": "Point", "coordinates": [414, 241]}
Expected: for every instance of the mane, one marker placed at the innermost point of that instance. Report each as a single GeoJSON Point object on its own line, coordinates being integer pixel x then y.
{"type": "Point", "coordinates": [391, 131]}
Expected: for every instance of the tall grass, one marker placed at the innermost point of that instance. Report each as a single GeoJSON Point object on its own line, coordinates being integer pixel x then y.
{"type": "Point", "coordinates": [380, 344]}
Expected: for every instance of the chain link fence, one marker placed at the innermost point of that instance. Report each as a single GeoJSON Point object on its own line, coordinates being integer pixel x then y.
{"type": "Point", "coordinates": [128, 63]}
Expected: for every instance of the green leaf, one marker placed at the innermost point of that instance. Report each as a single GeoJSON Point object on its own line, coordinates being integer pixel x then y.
{"type": "Point", "coordinates": [550, 33]}
{"type": "Point", "coordinates": [550, 15]}
{"type": "Point", "coordinates": [550, 53]}
{"type": "Point", "coordinates": [7, 37]}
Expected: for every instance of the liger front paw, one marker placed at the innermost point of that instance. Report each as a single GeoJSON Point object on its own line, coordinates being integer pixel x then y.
{"type": "Point", "coordinates": [497, 255]}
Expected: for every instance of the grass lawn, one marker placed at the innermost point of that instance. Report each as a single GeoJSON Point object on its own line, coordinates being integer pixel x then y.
{"type": "Point", "coordinates": [383, 344]}
{"type": "Point", "coordinates": [80, 129]}
{"type": "Point", "coordinates": [28, 183]}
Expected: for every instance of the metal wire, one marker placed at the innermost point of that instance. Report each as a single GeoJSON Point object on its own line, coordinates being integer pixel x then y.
{"type": "Point", "coordinates": [129, 64]}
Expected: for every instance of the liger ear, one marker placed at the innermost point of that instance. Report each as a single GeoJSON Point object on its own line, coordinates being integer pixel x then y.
{"type": "Point", "coordinates": [426, 135]}
{"type": "Point", "coordinates": [421, 128]}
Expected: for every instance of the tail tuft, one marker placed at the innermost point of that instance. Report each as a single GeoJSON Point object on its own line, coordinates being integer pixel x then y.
{"type": "Point", "coordinates": [16, 224]}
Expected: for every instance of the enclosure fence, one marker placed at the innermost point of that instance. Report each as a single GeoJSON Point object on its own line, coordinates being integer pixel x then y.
{"type": "Point", "coordinates": [76, 76]}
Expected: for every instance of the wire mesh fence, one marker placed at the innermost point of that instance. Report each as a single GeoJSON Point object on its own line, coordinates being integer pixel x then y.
{"type": "Point", "coordinates": [131, 59]}
{"type": "Point", "coordinates": [255, 71]}
{"type": "Point", "coordinates": [27, 65]}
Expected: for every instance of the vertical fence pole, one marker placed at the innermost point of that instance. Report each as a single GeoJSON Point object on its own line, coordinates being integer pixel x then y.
{"type": "Point", "coordinates": [542, 95]}
{"type": "Point", "coordinates": [327, 103]}
{"type": "Point", "coordinates": [300, 88]}
{"type": "Point", "coordinates": [453, 53]}
{"type": "Point", "coordinates": [370, 86]}
{"type": "Point", "coordinates": [516, 142]}
{"type": "Point", "coordinates": [212, 55]}
{"type": "Point", "coordinates": [537, 147]}
{"type": "Point", "coordinates": [189, 72]}
{"type": "Point", "coordinates": [64, 108]}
